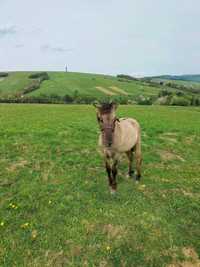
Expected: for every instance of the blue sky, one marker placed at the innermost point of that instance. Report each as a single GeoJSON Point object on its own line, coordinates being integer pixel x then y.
{"type": "Point", "coordinates": [136, 37]}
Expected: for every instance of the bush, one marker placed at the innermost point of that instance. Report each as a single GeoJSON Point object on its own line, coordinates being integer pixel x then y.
{"type": "Point", "coordinates": [164, 93]}
{"type": "Point", "coordinates": [141, 100]}
{"type": "Point", "coordinates": [127, 77]}
{"type": "Point", "coordinates": [179, 101]}
{"type": "Point", "coordinates": [67, 99]}
{"type": "Point", "coordinates": [3, 74]}
{"type": "Point", "coordinates": [124, 80]}
{"type": "Point", "coordinates": [31, 87]}
{"type": "Point", "coordinates": [180, 93]}
{"type": "Point", "coordinates": [195, 101]}
{"type": "Point", "coordinates": [39, 75]}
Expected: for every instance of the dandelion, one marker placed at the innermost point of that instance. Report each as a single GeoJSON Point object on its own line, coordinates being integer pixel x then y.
{"type": "Point", "coordinates": [24, 225]}
{"type": "Point", "coordinates": [13, 206]}
{"type": "Point", "coordinates": [34, 234]}
{"type": "Point", "coordinates": [108, 248]}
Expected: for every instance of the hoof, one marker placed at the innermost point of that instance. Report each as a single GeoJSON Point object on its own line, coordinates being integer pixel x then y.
{"type": "Point", "coordinates": [131, 174]}
{"type": "Point", "coordinates": [112, 191]}
{"type": "Point", "coordinates": [137, 177]}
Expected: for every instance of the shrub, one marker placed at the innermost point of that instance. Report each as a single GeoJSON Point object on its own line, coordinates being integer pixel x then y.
{"type": "Point", "coordinates": [67, 99]}
{"type": "Point", "coordinates": [127, 77]}
{"type": "Point", "coordinates": [141, 100]}
{"type": "Point", "coordinates": [31, 87]}
{"type": "Point", "coordinates": [180, 93]}
{"type": "Point", "coordinates": [39, 75]}
{"type": "Point", "coordinates": [3, 74]}
{"type": "Point", "coordinates": [195, 101]}
{"type": "Point", "coordinates": [179, 101]}
{"type": "Point", "coordinates": [124, 80]}
{"type": "Point", "coordinates": [164, 93]}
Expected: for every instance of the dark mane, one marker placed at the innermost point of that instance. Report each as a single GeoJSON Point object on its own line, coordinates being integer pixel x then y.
{"type": "Point", "coordinates": [106, 107]}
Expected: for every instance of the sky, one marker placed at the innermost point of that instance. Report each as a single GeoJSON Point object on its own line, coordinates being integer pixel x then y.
{"type": "Point", "coordinates": [135, 37]}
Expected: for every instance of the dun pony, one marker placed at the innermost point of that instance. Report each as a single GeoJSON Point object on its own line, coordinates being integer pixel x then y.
{"type": "Point", "coordinates": [118, 136]}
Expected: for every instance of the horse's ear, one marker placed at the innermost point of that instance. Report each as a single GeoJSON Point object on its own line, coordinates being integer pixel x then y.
{"type": "Point", "coordinates": [115, 105]}
{"type": "Point", "coordinates": [96, 104]}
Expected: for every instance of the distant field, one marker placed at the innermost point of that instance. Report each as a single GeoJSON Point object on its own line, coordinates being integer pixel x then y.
{"type": "Point", "coordinates": [55, 207]}
{"type": "Point", "coordinates": [186, 83]}
{"type": "Point", "coordinates": [187, 78]}
{"type": "Point", "coordinates": [83, 84]}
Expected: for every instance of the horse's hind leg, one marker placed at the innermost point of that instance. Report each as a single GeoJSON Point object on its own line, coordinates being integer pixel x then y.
{"type": "Point", "coordinates": [138, 159]}
{"type": "Point", "coordinates": [130, 164]}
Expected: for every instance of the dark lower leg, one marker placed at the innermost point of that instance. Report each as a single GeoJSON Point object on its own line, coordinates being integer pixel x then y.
{"type": "Point", "coordinates": [109, 172]}
{"type": "Point", "coordinates": [138, 168]}
{"type": "Point", "coordinates": [114, 174]}
{"type": "Point", "coordinates": [130, 167]}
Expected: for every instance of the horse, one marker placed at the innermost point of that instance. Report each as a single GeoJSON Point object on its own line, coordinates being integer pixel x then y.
{"type": "Point", "coordinates": [118, 136]}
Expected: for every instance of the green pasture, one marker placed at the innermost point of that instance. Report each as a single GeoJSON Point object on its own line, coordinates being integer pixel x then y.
{"type": "Point", "coordinates": [55, 206]}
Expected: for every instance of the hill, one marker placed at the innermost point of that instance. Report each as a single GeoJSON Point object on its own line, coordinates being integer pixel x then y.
{"type": "Point", "coordinates": [84, 84]}
{"type": "Point", "coordinates": [191, 77]}
{"type": "Point", "coordinates": [71, 87]}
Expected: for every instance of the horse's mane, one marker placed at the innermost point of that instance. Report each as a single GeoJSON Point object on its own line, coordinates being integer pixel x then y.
{"type": "Point", "coordinates": [106, 107]}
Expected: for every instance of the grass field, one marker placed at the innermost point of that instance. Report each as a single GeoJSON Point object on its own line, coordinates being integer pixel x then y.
{"type": "Point", "coordinates": [62, 83]}
{"type": "Point", "coordinates": [55, 207]}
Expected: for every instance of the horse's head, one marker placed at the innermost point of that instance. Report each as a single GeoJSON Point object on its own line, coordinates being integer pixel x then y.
{"type": "Point", "coordinates": [106, 119]}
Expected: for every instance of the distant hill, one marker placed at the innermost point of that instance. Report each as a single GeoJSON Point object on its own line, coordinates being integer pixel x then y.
{"type": "Point", "coordinates": [75, 84]}
{"type": "Point", "coordinates": [190, 77]}
{"type": "Point", "coordinates": [74, 87]}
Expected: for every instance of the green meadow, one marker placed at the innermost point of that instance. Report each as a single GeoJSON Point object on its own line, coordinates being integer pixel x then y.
{"type": "Point", "coordinates": [55, 206]}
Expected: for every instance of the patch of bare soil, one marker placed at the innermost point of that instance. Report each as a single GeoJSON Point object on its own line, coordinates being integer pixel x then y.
{"type": "Point", "coordinates": [118, 90]}
{"type": "Point", "coordinates": [105, 91]}
{"type": "Point", "coordinates": [114, 231]}
{"type": "Point", "coordinates": [192, 259]}
{"type": "Point", "coordinates": [14, 166]}
{"type": "Point", "coordinates": [168, 155]}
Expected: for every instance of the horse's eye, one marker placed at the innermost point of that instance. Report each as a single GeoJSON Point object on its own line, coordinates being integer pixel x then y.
{"type": "Point", "coordinates": [99, 119]}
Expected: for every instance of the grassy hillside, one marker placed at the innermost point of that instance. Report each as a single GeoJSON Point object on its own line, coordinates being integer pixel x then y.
{"type": "Point", "coordinates": [14, 83]}
{"type": "Point", "coordinates": [83, 84]}
{"type": "Point", "coordinates": [91, 84]}
{"type": "Point", "coordinates": [55, 207]}
{"type": "Point", "coordinates": [62, 87]}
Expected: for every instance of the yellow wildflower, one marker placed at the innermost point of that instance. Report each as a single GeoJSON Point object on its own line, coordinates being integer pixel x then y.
{"type": "Point", "coordinates": [108, 248]}
{"type": "Point", "coordinates": [25, 225]}
{"type": "Point", "coordinates": [34, 234]}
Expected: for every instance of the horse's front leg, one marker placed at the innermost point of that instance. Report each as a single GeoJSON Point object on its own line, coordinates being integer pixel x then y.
{"type": "Point", "coordinates": [112, 172]}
